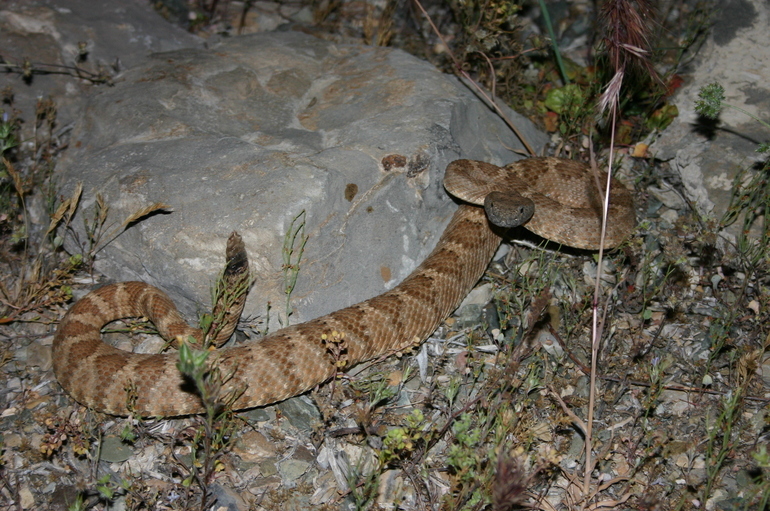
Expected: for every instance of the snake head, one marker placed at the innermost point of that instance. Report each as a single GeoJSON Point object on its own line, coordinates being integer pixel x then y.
{"type": "Point", "coordinates": [508, 210]}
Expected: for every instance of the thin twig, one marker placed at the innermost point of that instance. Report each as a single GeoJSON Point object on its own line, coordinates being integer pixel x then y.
{"type": "Point", "coordinates": [464, 74]}
{"type": "Point", "coordinates": [575, 419]}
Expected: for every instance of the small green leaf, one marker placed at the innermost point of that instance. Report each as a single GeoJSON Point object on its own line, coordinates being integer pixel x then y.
{"type": "Point", "coordinates": [205, 321]}
{"type": "Point", "coordinates": [565, 100]}
{"type": "Point", "coordinates": [662, 117]}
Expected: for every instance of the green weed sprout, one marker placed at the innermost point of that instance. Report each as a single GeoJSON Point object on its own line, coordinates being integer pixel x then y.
{"type": "Point", "coordinates": [7, 136]}
{"type": "Point", "coordinates": [215, 432]}
{"type": "Point", "coordinates": [711, 101]}
{"type": "Point", "coordinates": [293, 246]}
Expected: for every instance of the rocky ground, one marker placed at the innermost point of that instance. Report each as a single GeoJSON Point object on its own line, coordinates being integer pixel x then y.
{"type": "Point", "coordinates": [492, 411]}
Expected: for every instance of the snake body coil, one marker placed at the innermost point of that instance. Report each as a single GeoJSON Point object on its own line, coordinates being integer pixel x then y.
{"type": "Point", "coordinates": [295, 359]}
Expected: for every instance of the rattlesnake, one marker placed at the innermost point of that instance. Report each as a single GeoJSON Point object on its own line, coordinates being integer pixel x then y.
{"type": "Point", "coordinates": [295, 359]}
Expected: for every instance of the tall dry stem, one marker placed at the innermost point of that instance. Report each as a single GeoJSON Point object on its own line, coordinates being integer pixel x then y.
{"type": "Point", "coordinates": [626, 25]}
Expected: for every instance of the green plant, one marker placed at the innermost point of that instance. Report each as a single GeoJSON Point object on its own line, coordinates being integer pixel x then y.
{"type": "Point", "coordinates": [452, 390]}
{"type": "Point", "coordinates": [293, 247]}
{"type": "Point", "coordinates": [363, 485]}
{"type": "Point", "coordinates": [554, 43]}
{"type": "Point", "coordinates": [487, 41]}
{"type": "Point", "coordinates": [401, 443]}
{"type": "Point", "coordinates": [711, 101]}
{"type": "Point", "coordinates": [571, 104]}
{"type": "Point", "coordinates": [534, 276]}
{"type": "Point", "coordinates": [721, 441]}
{"type": "Point", "coordinates": [657, 370]}
{"type": "Point", "coordinates": [751, 189]}
{"type": "Point", "coordinates": [8, 130]}
{"type": "Point", "coordinates": [11, 186]}
{"type": "Point", "coordinates": [78, 505]}
{"type": "Point", "coordinates": [214, 434]}
{"type": "Point", "coordinates": [228, 295]}
{"type": "Point", "coordinates": [38, 281]}
{"type": "Point", "coordinates": [762, 481]}
{"type": "Point", "coordinates": [467, 460]}
{"type": "Point", "coordinates": [107, 488]}
{"type": "Point", "coordinates": [106, 491]}
{"type": "Point", "coordinates": [750, 199]}
{"type": "Point", "coordinates": [657, 271]}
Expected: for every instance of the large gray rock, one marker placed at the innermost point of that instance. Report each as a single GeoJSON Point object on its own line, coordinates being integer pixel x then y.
{"type": "Point", "coordinates": [247, 134]}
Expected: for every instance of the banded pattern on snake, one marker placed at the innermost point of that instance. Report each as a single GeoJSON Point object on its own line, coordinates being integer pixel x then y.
{"type": "Point", "coordinates": [295, 359]}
